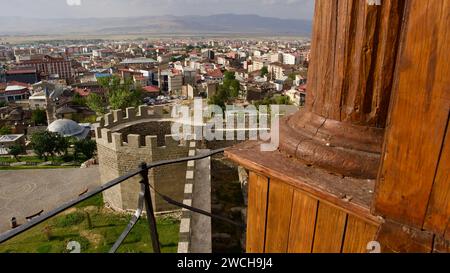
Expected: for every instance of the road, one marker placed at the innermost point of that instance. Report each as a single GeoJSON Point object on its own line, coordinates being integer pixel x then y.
{"type": "Point", "coordinates": [26, 192]}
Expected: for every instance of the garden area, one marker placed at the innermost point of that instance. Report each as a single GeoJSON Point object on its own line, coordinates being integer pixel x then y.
{"type": "Point", "coordinates": [96, 229]}
{"type": "Point", "coordinates": [49, 150]}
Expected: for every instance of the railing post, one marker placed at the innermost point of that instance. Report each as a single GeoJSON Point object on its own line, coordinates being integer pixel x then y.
{"type": "Point", "coordinates": [149, 208]}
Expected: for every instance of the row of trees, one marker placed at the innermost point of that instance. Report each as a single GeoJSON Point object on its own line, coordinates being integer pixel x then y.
{"type": "Point", "coordinates": [47, 144]}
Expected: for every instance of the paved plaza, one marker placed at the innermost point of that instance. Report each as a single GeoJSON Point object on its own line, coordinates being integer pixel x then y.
{"type": "Point", "coordinates": [26, 192]}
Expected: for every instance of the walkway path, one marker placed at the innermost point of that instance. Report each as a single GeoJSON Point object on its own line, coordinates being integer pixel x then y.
{"type": "Point", "coordinates": [201, 225]}
{"type": "Point", "coordinates": [26, 192]}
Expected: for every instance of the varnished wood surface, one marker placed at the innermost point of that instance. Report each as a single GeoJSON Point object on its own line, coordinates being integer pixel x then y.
{"type": "Point", "coordinates": [257, 212]}
{"type": "Point", "coordinates": [354, 49]}
{"type": "Point", "coordinates": [352, 195]}
{"type": "Point", "coordinates": [330, 229]}
{"type": "Point", "coordinates": [438, 213]}
{"type": "Point", "coordinates": [419, 115]}
{"type": "Point", "coordinates": [278, 217]}
{"type": "Point", "coordinates": [290, 220]}
{"type": "Point", "coordinates": [303, 223]}
{"type": "Point", "coordinates": [397, 238]}
{"type": "Point", "coordinates": [358, 235]}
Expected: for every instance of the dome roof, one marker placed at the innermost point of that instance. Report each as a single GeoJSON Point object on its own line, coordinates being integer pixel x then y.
{"type": "Point", "coordinates": [66, 127]}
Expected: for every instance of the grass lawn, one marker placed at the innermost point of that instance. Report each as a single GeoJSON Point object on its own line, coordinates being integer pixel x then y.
{"type": "Point", "coordinates": [34, 159]}
{"type": "Point", "coordinates": [96, 229]}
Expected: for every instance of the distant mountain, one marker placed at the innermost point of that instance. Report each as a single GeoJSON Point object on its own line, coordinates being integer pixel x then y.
{"type": "Point", "coordinates": [221, 23]}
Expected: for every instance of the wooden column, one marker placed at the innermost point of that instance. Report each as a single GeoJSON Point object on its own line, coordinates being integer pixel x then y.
{"type": "Point", "coordinates": [354, 52]}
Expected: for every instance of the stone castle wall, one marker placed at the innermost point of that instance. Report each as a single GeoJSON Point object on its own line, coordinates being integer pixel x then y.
{"type": "Point", "coordinates": [125, 140]}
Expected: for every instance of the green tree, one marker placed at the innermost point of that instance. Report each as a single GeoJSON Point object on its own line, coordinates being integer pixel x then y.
{"type": "Point", "coordinates": [48, 144]}
{"type": "Point", "coordinates": [292, 76]}
{"type": "Point", "coordinates": [85, 147]}
{"type": "Point", "coordinates": [16, 150]}
{"type": "Point", "coordinates": [276, 100]}
{"type": "Point", "coordinates": [96, 103]}
{"type": "Point", "coordinates": [39, 117]}
{"type": "Point", "coordinates": [121, 95]}
{"type": "Point", "coordinates": [77, 99]}
{"type": "Point", "coordinates": [5, 130]}
{"type": "Point", "coordinates": [264, 71]}
{"type": "Point", "coordinates": [227, 91]}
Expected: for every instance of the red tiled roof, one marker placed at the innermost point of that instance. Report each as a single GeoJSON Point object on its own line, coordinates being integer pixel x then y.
{"type": "Point", "coordinates": [25, 85]}
{"type": "Point", "coordinates": [302, 88]}
{"type": "Point", "coordinates": [83, 92]}
{"type": "Point", "coordinates": [20, 71]}
{"type": "Point", "coordinates": [215, 73]}
{"type": "Point", "coordinates": [151, 89]}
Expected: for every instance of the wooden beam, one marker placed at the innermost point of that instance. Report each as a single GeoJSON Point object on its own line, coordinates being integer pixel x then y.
{"type": "Point", "coordinates": [438, 213]}
{"type": "Point", "coordinates": [278, 217]}
{"type": "Point", "coordinates": [358, 235]}
{"type": "Point", "coordinates": [330, 228]}
{"type": "Point", "coordinates": [303, 223]}
{"type": "Point", "coordinates": [419, 115]}
{"type": "Point", "coordinates": [397, 238]}
{"type": "Point", "coordinates": [256, 214]}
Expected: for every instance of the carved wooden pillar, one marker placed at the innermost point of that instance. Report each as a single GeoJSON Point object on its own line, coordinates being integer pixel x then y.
{"type": "Point", "coordinates": [354, 51]}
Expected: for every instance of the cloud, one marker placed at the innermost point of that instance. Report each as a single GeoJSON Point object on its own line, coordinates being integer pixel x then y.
{"type": "Point", "coordinates": [302, 9]}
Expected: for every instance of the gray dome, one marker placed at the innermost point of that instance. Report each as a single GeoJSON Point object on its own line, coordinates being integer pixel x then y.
{"type": "Point", "coordinates": [66, 127]}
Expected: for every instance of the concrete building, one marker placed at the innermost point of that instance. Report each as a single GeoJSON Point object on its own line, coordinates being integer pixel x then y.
{"type": "Point", "coordinates": [38, 101]}
{"type": "Point", "coordinates": [291, 59]}
{"type": "Point", "coordinates": [175, 83]}
{"type": "Point", "coordinates": [275, 57]}
{"type": "Point", "coordinates": [25, 75]}
{"type": "Point", "coordinates": [51, 67]}
{"type": "Point", "coordinates": [279, 71]}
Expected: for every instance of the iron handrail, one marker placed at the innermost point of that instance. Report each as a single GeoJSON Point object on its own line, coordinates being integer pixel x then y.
{"type": "Point", "coordinates": [145, 190]}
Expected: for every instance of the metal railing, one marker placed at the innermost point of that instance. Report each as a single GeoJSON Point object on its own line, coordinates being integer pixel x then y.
{"type": "Point", "coordinates": [145, 198]}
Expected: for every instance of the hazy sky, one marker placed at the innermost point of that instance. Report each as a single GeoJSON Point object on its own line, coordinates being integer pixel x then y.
{"type": "Point", "coordinates": [299, 9]}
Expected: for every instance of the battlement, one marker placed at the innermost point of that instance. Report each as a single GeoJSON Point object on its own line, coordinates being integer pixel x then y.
{"type": "Point", "coordinates": [119, 117]}
{"type": "Point", "coordinates": [115, 141]}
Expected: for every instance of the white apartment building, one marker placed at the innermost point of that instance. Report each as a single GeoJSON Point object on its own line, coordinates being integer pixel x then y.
{"type": "Point", "coordinates": [258, 64]}
{"type": "Point", "coordinates": [275, 57]}
{"type": "Point", "coordinates": [290, 59]}
{"type": "Point", "coordinates": [175, 82]}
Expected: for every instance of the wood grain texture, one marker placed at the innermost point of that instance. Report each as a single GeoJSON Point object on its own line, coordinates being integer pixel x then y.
{"type": "Point", "coordinates": [257, 209]}
{"type": "Point", "coordinates": [303, 223]}
{"type": "Point", "coordinates": [358, 235]}
{"type": "Point", "coordinates": [330, 229]}
{"type": "Point", "coordinates": [420, 109]}
{"type": "Point", "coordinates": [278, 216]}
{"type": "Point", "coordinates": [438, 214]}
{"type": "Point", "coordinates": [354, 48]}
{"type": "Point", "coordinates": [398, 238]}
{"type": "Point", "coordinates": [351, 195]}
{"type": "Point", "coordinates": [441, 245]}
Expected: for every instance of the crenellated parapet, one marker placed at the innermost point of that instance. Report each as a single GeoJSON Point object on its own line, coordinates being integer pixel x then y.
{"type": "Point", "coordinates": [108, 135]}
{"type": "Point", "coordinates": [118, 117]}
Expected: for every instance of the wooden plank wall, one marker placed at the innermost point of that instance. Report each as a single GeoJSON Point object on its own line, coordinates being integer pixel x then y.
{"type": "Point", "coordinates": [282, 219]}
{"type": "Point", "coordinates": [414, 184]}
